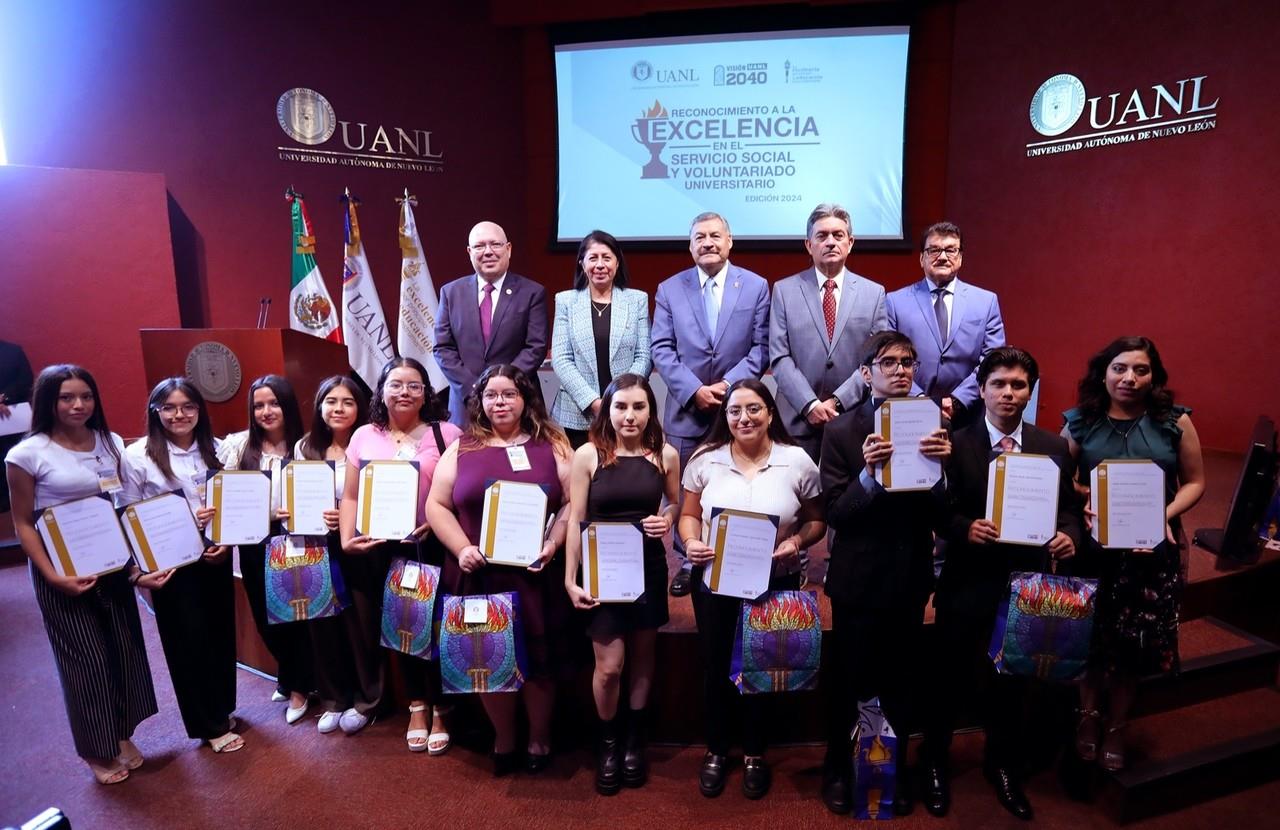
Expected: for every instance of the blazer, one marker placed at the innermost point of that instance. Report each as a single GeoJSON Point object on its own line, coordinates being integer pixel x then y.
{"type": "Point", "coordinates": [975, 577]}
{"type": "Point", "coordinates": [688, 356]}
{"type": "Point", "coordinates": [518, 334]}
{"type": "Point", "coordinates": [975, 328]}
{"type": "Point", "coordinates": [573, 349]}
{"type": "Point", "coordinates": [882, 554]}
{"type": "Point", "coordinates": [808, 365]}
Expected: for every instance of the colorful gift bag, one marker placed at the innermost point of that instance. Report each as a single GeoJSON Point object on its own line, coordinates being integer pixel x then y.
{"type": "Point", "coordinates": [875, 762]}
{"type": "Point", "coordinates": [778, 643]}
{"type": "Point", "coordinates": [1044, 626]}
{"type": "Point", "coordinates": [302, 582]}
{"type": "Point", "coordinates": [407, 613]}
{"type": "Point", "coordinates": [483, 656]}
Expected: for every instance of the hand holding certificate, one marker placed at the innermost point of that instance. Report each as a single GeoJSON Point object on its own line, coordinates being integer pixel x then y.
{"type": "Point", "coordinates": [743, 543]}
{"type": "Point", "coordinates": [612, 561]}
{"type": "Point", "coordinates": [83, 537]}
{"type": "Point", "coordinates": [241, 500]}
{"type": "Point", "coordinates": [905, 422]}
{"type": "Point", "coordinates": [387, 500]}
{"type": "Point", "coordinates": [1128, 498]}
{"type": "Point", "coordinates": [512, 524]}
{"type": "Point", "coordinates": [1022, 498]}
{"type": "Point", "coordinates": [308, 493]}
{"type": "Point", "coordinates": [162, 532]}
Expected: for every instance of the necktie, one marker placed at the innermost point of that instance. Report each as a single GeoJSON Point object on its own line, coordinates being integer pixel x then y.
{"type": "Point", "coordinates": [712, 305]}
{"type": "Point", "coordinates": [940, 311]}
{"type": "Point", "coordinates": [486, 312]}
{"type": "Point", "coordinates": [1007, 444]}
{"type": "Point", "coordinates": [829, 306]}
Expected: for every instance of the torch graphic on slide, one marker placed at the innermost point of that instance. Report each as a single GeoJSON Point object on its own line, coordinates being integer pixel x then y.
{"type": "Point", "coordinates": [642, 129]}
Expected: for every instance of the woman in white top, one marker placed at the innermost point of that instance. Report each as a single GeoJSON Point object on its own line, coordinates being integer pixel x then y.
{"type": "Point", "coordinates": [748, 462]}
{"type": "Point", "coordinates": [275, 425]}
{"type": "Point", "coordinates": [195, 610]}
{"type": "Point", "coordinates": [343, 653]}
{"type": "Point", "coordinates": [92, 622]}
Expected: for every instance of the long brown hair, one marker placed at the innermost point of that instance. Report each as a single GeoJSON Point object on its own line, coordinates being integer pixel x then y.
{"type": "Point", "coordinates": [158, 438]}
{"type": "Point", "coordinates": [316, 442]}
{"type": "Point", "coordinates": [1092, 397]}
{"type": "Point", "coordinates": [44, 405]}
{"type": "Point", "coordinates": [605, 438]}
{"type": "Point", "coordinates": [534, 420]}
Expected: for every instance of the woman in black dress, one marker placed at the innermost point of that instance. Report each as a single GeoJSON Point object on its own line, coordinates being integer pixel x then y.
{"type": "Point", "coordinates": [621, 475]}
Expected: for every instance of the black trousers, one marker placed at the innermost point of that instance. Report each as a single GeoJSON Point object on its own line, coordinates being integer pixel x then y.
{"type": "Point", "coordinates": [874, 653]}
{"type": "Point", "coordinates": [718, 617]}
{"type": "Point", "coordinates": [289, 643]}
{"type": "Point", "coordinates": [350, 665]}
{"type": "Point", "coordinates": [195, 615]}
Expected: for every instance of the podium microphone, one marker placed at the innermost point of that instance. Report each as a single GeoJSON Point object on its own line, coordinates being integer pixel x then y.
{"type": "Point", "coordinates": [264, 306]}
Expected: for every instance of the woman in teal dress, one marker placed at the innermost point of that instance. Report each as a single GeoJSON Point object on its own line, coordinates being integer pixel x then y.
{"type": "Point", "coordinates": [1125, 410]}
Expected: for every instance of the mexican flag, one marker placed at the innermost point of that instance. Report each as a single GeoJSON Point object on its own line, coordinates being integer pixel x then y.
{"type": "Point", "coordinates": [310, 308]}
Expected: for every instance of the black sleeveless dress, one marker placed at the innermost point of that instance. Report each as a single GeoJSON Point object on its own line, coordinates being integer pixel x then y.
{"type": "Point", "coordinates": [627, 491]}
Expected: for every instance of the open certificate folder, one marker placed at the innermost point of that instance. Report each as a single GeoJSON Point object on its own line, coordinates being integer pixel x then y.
{"type": "Point", "coordinates": [241, 500]}
{"type": "Point", "coordinates": [162, 532]}
{"type": "Point", "coordinates": [387, 500]}
{"type": "Point", "coordinates": [308, 492]}
{"type": "Point", "coordinates": [904, 421]}
{"type": "Point", "coordinates": [83, 537]}
{"type": "Point", "coordinates": [613, 561]}
{"type": "Point", "coordinates": [511, 528]}
{"type": "Point", "coordinates": [1022, 497]}
{"type": "Point", "coordinates": [1127, 497]}
{"type": "Point", "coordinates": [743, 543]}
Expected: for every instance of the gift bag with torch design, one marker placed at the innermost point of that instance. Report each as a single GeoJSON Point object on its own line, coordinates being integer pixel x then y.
{"type": "Point", "coordinates": [302, 582]}
{"type": "Point", "coordinates": [778, 643]}
{"type": "Point", "coordinates": [408, 607]}
{"type": "Point", "coordinates": [486, 655]}
{"type": "Point", "coordinates": [1044, 626]}
{"type": "Point", "coordinates": [875, 762]}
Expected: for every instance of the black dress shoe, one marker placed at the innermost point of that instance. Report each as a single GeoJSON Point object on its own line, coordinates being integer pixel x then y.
{"type": "Point", "coordinates": [936, 794]}
{"type": "Point", "coordinates": [681, 583]}
{"type": "Point", "coordinates": [756, 778]}
{"type": "Point", "coordinates": [608, 761]}
{"type": "Point", "coordinates": [505, 763]}
{"type": "Point", "coordinates": [711, 777]}
{"type": "Point", "coordinates": [903, 802]}
{"type": "Point", "coordinates": [1009, 792]}
{"type": "Point", "coordinates": [836, 791]}
{"type": "Point", "coordinates": [535, 763]}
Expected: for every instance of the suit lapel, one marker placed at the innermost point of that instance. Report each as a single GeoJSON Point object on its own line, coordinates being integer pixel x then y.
{"type": "Point", "coordinates": [510, 287]}
{"type": "Point", "coordinates": [849, 295]}
{"type": "Point", "coordinates": [925, 300]}
{"type": "Point", "coordinates": [808, 284]}
{"type": "Point", "coordinates": [693, 295]}
{"type": "Point", "coordinates": [729, 296]}
{"type": "Point", "coordinates": [618, 317]}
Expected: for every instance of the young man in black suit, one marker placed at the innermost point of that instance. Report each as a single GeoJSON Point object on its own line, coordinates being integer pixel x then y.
{"type": "Point", "coordinates": [881, 568]}
{"type": "Point", "coordinates": [976, 577]}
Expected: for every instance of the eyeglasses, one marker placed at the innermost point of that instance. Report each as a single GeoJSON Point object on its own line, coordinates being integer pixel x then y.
{"type": "Point", "coordinates": [481, 247]}
{"type": "Point", "coordinates": [935, 253]}
{"type": "Point", "coordinates": [508, 395]}
{"type": "Point", "coordinates": [752, 409]}
{"type": "Point", "coordinates": [412, 387]}
{"type": "Point", "coordinates": [173, 409]}
{"type": "Point", "coordinates": [889, 365]}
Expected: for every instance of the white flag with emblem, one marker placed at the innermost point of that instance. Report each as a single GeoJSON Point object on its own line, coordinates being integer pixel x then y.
{"type": "Point", "coordinates": [368, 339]}
{"type": "Point", "coordinates": [418, 303]}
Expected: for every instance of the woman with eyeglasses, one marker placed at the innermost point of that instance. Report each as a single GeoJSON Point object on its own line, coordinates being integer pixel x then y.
{"type": "Point", "coordinates": [748, 462]}
{"type": "Point", "coordinates": [509, 437]}
{"type": "Point", "coordinates": [406, 423]}
{"type": "Point", "coordinates": [92, 622]}
{"type": "Point", "coordinates": [1125, 409]}
{"type": "Point", "coordinates": [195, 609]}
{"type": "Point", "coordinates": [601, 331]}
{"type": "Point", "coordinates": [275, 425]}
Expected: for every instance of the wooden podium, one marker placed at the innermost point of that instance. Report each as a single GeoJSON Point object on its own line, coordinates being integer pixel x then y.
{"type": "Point", "coordinates": [218, 353]}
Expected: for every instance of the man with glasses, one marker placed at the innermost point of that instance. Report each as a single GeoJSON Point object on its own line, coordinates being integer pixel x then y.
{"type": "Point", "coordinates": [952, 323]}
{"type": "Point", "coordinates": [492, 316]}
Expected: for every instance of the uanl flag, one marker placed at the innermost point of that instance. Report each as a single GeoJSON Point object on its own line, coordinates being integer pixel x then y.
{"type": "Point", "coordinates": [368, 339]}
{"type": "Point", "coordinates": [310, 308]}
{"type": "Point", "coordinates": [416, 337]}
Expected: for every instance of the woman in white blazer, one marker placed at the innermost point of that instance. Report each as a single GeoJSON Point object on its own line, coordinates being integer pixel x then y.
{"type": "Point", "coordinates": [601, 331]}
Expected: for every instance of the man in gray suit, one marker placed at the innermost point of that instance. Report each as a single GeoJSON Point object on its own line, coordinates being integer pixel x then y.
{"type": "Point", "coordinates": [819, 318]}
{"type": "Point", "coordinates": [953, 324]}
{"type": "Point", "coordinates": [710, 328]}
{"type": "Point", "coordinates": [492, 316]}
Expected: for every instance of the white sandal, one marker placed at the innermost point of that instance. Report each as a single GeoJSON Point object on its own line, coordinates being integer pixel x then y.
{"type": "Point", "coordinates": [417, 734]}
{"type": "Point", "coordinates": [438, 740]}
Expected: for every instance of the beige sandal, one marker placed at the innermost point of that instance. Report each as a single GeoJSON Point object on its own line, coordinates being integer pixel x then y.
{"type": "Point", "coordinates": [230, 742]}
{"type": "Point", "coordinates": [130, 758]}
{"type": "Point", "coordinates": [115, 774]}
{"type": "Point", "coordinates": [413, 735]}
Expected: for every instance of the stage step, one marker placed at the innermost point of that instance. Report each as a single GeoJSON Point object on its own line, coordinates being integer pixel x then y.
{"type": "Point", "coordinates": [1217, 659]}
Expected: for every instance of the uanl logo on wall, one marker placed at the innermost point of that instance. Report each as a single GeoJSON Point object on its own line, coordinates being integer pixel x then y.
{"type": "Point", "coordinates": [308, 118]}
{"type": "Point", "coordinates": [1161, 110]}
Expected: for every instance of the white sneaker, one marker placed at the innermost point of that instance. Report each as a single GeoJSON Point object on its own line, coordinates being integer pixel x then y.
{"type": "Point", "coordinates": [328, 722]}
{"type": "Point", "coordinates": [352, 721]}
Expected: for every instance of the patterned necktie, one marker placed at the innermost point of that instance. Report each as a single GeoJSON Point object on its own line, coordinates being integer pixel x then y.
{"type": "Point", "coordinates": [486, 312]}
{"type": "Point", "coordinates": [940, 311]}
{"type": "Point", "coordinates": [1007, 444]}
{"type": "Point", "coordinates": [829, 306]}
{"type": "Point", "coordinates": [711, 304]}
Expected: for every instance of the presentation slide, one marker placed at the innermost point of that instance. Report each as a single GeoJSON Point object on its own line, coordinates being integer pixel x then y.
{"type": "Point", "coordinates": [759, 127]}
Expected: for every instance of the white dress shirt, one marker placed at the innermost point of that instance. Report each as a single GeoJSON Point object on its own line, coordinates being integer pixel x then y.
{"type": "Point", "coordinates": [995, 435]}
{"type": "Point", "coordinates": [497, 292]}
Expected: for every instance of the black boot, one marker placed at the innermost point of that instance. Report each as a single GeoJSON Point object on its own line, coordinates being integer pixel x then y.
{"type": "Point", "coordinates": [609, 759]}
{"type": "Point", "coordinates": [635, 766]}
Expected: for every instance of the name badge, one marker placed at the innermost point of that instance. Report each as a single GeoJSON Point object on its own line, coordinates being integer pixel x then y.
{"type": "Point", "coordinates": [293, 549]}
{"type": "Point", "coordinates": [518, 458]}
{"type": "Point", "coordinates": [406, 452]}
{"type": "Point", "coordinates": [475, 609]}
{"type": "Point", "coordinates": [108, 481]}
{"type": "Point", "coordinates": [409, 579]}
{"type": "Point", "coordinates": [200, 483]}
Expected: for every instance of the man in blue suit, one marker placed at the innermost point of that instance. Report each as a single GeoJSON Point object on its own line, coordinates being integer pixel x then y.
{"type": "Point", "coordinates": [492, 316]}
{"type": "Point", "coordinates": [952, 324]}
{"type": "Point", "coordinates": [818, 320]}
{"type": "Point", "coordinates": [710, 328]}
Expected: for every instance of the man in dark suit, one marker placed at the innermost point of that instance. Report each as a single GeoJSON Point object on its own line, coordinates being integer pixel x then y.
{"type": "Point", "coordinates": [492, 316]}
{"type": "Point", "coordinates": [880, 572]}
{"type": "Point", "coordinates": [976, 577]}
{"type": "Point", "coordinates": [710, 329]}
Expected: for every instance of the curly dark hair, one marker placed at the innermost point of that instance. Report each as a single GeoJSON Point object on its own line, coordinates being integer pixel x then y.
{"type": "Point", "coordinates": [1091, 394]}
{"type": "Point", "coordinates": [720, 434]}
{"type": "Point", "coordinates": [432, 409]}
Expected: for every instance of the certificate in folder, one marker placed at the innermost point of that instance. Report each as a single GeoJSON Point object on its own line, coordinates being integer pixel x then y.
{"type": "Point", "coordinates": [613, 561]}
{"type": "Point", "coordinates": [241, 500]}
{"type": "Point", "coordinates": [512, 525]}
{"type": "Point", "coordinates": [387, 499]}
{"type": "Point", "coordinates": [163, 532]}
{"type": "Point", "coordinates": [905, 421]}
{"type": "Point", "coordinates": [1022, 498]}
{"type": "Point", "coordinates": [1127, 495]}
{"type": "Point", "coordinates": [309, 490]}
{"type": "Point", "coordinates": [743, 543]}
{"type": "Point", "coordinates": [83, 537]}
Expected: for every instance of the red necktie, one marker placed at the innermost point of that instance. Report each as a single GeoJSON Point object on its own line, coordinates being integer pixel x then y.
{"type": "Point", "coordinates": [486, 312]}
{"type": "Point", "coordinates": [1007, 444]}
{"type": "Point", "coordinates": [829, 306]}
